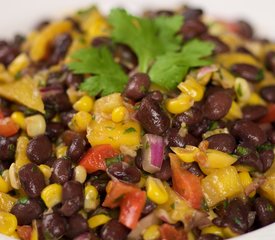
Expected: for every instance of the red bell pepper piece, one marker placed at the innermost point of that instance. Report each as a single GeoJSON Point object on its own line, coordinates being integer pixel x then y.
{"type": "Point", "coordinates": [24, 232]}
{"type": "Point", "coordinates": [185, 183]}
{"type": "Point", "coordinates": [270, 116]}
{"type": "Point", "coordinates": [94, 159]}
{"type": "Point", "coordinates": [8, 127]}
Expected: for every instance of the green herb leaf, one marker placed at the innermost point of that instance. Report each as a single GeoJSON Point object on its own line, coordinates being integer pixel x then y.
{"type": "Point", "coordinates": [110, 161]}
{"type": "Point", "coordinates": [108, 77]}
{"type": "Point", "coordinates": [130, 130]}
{"type": "Point", "coordinates": [146, 37]}
{"type": "Point", "coordinates": [242, 151]}
{"type": "Point", "coordinates": [213, 125]}
{"type": "Point", "coordinates": [23, 200]}
{"type": "Point", "coordinates": [170, 68]}
{"type": "Point", "coordinates": [267, 146]}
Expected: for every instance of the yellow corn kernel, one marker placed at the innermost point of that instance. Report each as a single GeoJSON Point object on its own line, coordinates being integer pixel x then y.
{"type": "Point", "coordinates": [213, 230]}
{"type": "Point", "coordinates": [8, 223]}
{"type": "Point", "coordinates": [151, 233]}
{"type": "Point", "coordinates": [21, 158]}
{"type": "Point", "coordinates": [91, 199]}
{"type": "Point", "coordinates": [80, 121]}
{"type": "Point", "coordinates": [34, 233]}
{"type": "Point", "coordinates": [221, 184]}
{"type": "Point", "coordinates": [246, 180]}
{"type": "Point", "coordinates": [141, 182]}
{"type": "Point", "coordinates": [4, 186]}
{"type": "Point", "coordinates": [105, 105]}
{"type": "Point", "coordinates": [255, 99]}
{"type": "Point", "coordinates": [46, 170]}
{"type": "Point", "coordinates": [13, 176]}
{"type": "Point", "coordinates": [80, 174]}
{"type": "Point", "coordinates": [52, 195]}
{"type": "Point", "coordinates": [19, 118]}
{"type": "Point", "coordinates": [191, 87]}
{"type": "Point", "coordinates": [98, 220]}
{"type": "Point", "coordinates": [6, 202]}
{"type": "Point", "coordinates": [186, 154]}
{"type": "Point", "coordinates": [235, 112]}
{"type": "Point", "coordinates": [179, 104]}
{"type": "Point", "coordinates": [61, 151]}
{"type": "Point", "coordinates": [118, 114]}
{"type": "Point", "coordinates": [84, 104]}
{"type": "Point", "coordinates": [242, 89]}
{"type": "Point", "coordinates": [156, 191]}
{"type": "Point", "coordinates": [18, 64]}
{"type": "Point", "coordinates": [35, 125]}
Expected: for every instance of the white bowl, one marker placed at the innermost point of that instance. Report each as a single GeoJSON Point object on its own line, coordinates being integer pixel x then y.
{"type": "Point", "coordinates": [20, 16]}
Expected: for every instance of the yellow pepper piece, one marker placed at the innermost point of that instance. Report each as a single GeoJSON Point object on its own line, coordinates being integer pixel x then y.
{"type": "Point", "coordinates": [116, 134]}
{"type": "Point", "coordinates": [191, 87]}
{"type": "Point", "coordinates": [4, 186]}
{"type": "Point", "coordinates": [179, 104]}
{"type": "Point", "coordinates": [8, 223]}
{"type": "Point", "coordinates": [118, 114]}
{"type": "Point", "coordinates": [186, 154]}
{"type": "Point", "coordinates": [18, 64]}
{"type": "Point", "coordinates": [255, 99]}
{"type": "Point", "coordinates": [6, 202]}
{"type": "Point", "coordinates": [84, 104]}
{"type": "Point", "coordinates": [91, 198]}
{"type": "Point", "coordinates": [98, 220]}
{"type": "Point", "coordinates": [25, 92]}
{"type": "Point", "coordinates": [235, 112]}
{"type": "Point", "coordinates": [21, 158]}
{"type": "Point", "coordinates": [80, 121]}
{"type": "Point", "coordinates": [151, 233]}
{"type": "Point", "coordinates": [213, 230]}
{"type": "Point", "coordinates": [156, 191]}
{"type": "Point", "coordinates": [40, 44]}
{"type": "Point", "coordinates": [267, 189]}
{"type": "Point", "coordinates": [52, 195]}
{"type": "Point", "coordinates": [221, 184]}
{"type": "Point", "coordinates": [246, 180]}
{"type": "Point", "coordinates": [19, 118]}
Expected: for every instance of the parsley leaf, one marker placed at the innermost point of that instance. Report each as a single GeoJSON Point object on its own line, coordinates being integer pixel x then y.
{"type": "Point", "coordinates": [146, 37]}
{"type": "Point", "coordinates": [108, 77]}
{"type": "Point", "coordinates": [170, 68]}
{"type": "Point", "coordinates": [130, 130]}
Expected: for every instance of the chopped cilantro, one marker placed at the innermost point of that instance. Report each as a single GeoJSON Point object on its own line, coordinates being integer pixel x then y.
{"type": "Point", "coordinates": [23, 200]}
{"type": "Point", "coordinates": [213, 125]}
{"type": "Point", "coordinates": [108, 77]}
{"type": "Point", "coordinates": [110, 161]}
{"type": "Point", "coordinates": [173, 206]}
{"type": "Point", "coordinates": [242, 151]}
{"type": "Point", "coordinates": [11, 148]}
{"type": "Point", "coordinates": [148, 38]}
{"type": "Point", "coordinates": [204, 205]}
{"type": "Point", "coordinates": [260, 75]}
{"type": "Point", "coordinates": [225, 204]}
{"type": "Point", "coordinates": [239, 90]}
{"type": "Point", "coordinates": [170, 68]}
{"type": "Point", "coordinates": [130, 130]}
{"type": "Point", "coordinates": [267, 146]}
{"type": "Point", "coordinates": [18, 75]}
{"type": "Point", "coordinates": [237, 221]}
{"type": "Point", "coordinates": [269, 208]}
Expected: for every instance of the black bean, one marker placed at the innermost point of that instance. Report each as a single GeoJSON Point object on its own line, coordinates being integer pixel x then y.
{"type": "Point", "coordinates": [7, 147]}
{"type": "Point", "coordinates": [249, 72]}
{"type": "Point", "coordinates": [265, 211]}
{"type": "Point", "coordinates": [192, 13]}
{"type": "Point", "coordinates": [137, 86]}
{"type": "Point", "coordinates": [174, 139]}
{"type": "Point", "coordinates": [192, 29]}
{"type": "Point", "coordinates": [77, 148]}
{"type": "Point", "coordinates": [195, 169]}
{"type": "Point", "coordinates": [220, 46]}
{"type": "Point", "coordinates": [267, 158]}
{"type": "Point", "coordinates": [149, 207]}
{"type": "Point", "coordinates": [268, 93]}
{"type": "Point", "coordinates": [77, 225]}
{"type": "Point", "coordinates": [54, 130]}
{"type": "Point", "coordinates": [72, 198]}
{"type": "Point", "coordinates": [27, 211]}
{"type": "Point", "coordinates": [152, 117]}
{"type": "Point", "coordinates": [39, 149]}
{"type": "Point", "coordinates": [244, 50]}
{"type": "Point", "coordinates": [165, 172]}
{"type": "Point", "coordinates": [113, 230]}
{"type": "Point", "coordinates": [125, 56]}
{"type": "Point", "coordinates": [55, 81]}
{"type": "Point", "coordinates": [99, 180]}
{"type": "Point", "coordinates": [155, 95]}
{"type": "Point", "coordinates": [58, 102]}
{"type": "Point", "coordinates": [87, 236]}
{"type": "Point", "coordinates": [270, 61]}
{"type": "Point", "coordinates": [198, 129]}
{"type": "Point", "coordinates": [271, 136]}
{"type": "Point", "coordinates": [138, 159]}
{"type": "Point", "coordinates": [210, 237]}
{"type": "Point", "coordinates": [7, 53]}
{"type": "Point", "coordinates": [32, 180]}
{"type": "Point", "coordinates": [222, 142]}
{"type": "Point", "coordinates": [254, 112]}
{"type": "Point", "coordinates": [62, 171]}
{"type": "Point", "coordinates": [53, 225]}
{"type": "Point", "coordinates": [252, 160]}
{"type": "Point", "coordinates": [249, 132]}
{"type": "Point", "coordinates": [217, 105]}
{"type": "Point", "coordinates": [102, 41]}
{"type": "Point", "coordinates": [73, 80]}
{"type": "Point", "coordinates": [66, 117]}
{"type": "Point", "coordinates": [125, 173]}
{"type": "Point", "coordinates": [244, 29]}
{"type": "Point", "coordinates": [189, 117]}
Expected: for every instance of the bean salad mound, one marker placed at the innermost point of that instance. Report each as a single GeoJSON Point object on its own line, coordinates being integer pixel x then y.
{"type": "Point", "coordinates": [153, 127]}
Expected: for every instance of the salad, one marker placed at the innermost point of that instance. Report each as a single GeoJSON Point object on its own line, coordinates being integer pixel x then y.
{"type": "Point", "coordinates": [153, 127]}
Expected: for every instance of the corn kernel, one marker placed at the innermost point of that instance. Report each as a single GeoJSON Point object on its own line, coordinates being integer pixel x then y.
{"type": "Point", "coordinates": [4, 185]}
{"type": "Point", "coordinates": [151, 233]}
{"type": "Point", "coordinates": [18, 64]}
{"type": "Point", "coordinates": [98, 220]}
{"type": "Point", "coordinates": [156, 191]}
{"type": "Point", "coordinates": [6, 202]}
{"type": "Point", "coordinates": [8, 223]}
{"type": "Point", "coordinates": [84, 104]}
{"type": "Point", "coordinates": [213, 230]}
{"type": "Point", "coordinates": [105, 105]}
{"type": "Point", "coordinates": [91, 199]}
{"type": "Point", "coordinates": [46, 170]}
{"type": "Point", "coordinates": [80, 174]}
{"type": "Point", "coordinates": [21, 157]}
{"type": "Point", "coordinates": [6, 177]}
{"type": "Point", "coordinates": [13, 176]}
{"type": "Point", "coordinates": [118, 114]}
{"type": "Point", "coordinates": [35, 125]}
{"type": "Point", "coordinates": [52, 195]}
{"type": "Point", "coordinates": [34, 234]}
{"type": "Point", "coordinates": [242, 89]}
{"type": "Point", "coordinates": [19, 118]}
{"type": "Point", "coordinates": [192, 88]}
{"type": "Point", "coordinates": [186, 154]}
{"type": "Point", "coordinates": [235, 112]}
{"type": "Point", "coordinates": [80, 121]}
{"type": "Point", "coordinates": [179, 104]}
{"type": "Point", "coordinates": [141, 182]}
{"type": "Point", "coordinates": [246, 180]}
{"type": "Point", "coordinates": [61, 151]}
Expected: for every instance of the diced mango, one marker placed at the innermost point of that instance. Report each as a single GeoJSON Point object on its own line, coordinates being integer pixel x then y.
{"type": "Point", "coordinates": [6, 202]}
{"type": "Point", "coordinates": [105, 105]}
{"type": "Point", "coordinates": [268, 188]}
{"type": "Point", "coordinates": [116, 134]}
{"type": "Point", "coordinates": [221, 184]}
{"type": "Point", "coordinates": [25, 92]}
{"type": "Point", "coordinates": [21, 158]}
{"type": "Point", "coordinates": [186, 154]}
